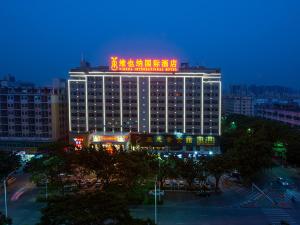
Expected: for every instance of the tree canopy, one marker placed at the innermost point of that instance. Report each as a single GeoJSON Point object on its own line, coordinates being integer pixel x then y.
{"type": "Point", "coordinates": [4, 220]}
{"type": "Point", "coordinates": [8, 163]}
{"type": "Point", "coordinates": [96, 208]}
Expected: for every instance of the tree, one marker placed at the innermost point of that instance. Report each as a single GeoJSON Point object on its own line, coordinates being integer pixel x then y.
{"type": "Point", "coordinates": [8, 163]}
{"type": "Point", "coordinates": [5, 220]}
{"type": "Point", "coordinates": [132, 167]}
{"type": "Point", "coordinates": [165, 168]}
{"type": "Point", "coordinates": [251, 154]}
{"type": "Point", "coordinates": [217, 166]}
{"type": "Point", "coordinates": [201, 170]}
{"type": "Point", "coordinates": [293, 146]}
{"type": "Point", "coordinates": [50, 169]}
{"type": "Point", "coordinates": [89, 209]}
{"type": "Point", "coordinates": [100, 162]}
{"type": "Point", "coordinates": [188, 170]}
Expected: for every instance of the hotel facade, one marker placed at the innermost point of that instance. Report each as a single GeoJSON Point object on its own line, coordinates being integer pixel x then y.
{"type": "Point", "coordinates": [130, 97]}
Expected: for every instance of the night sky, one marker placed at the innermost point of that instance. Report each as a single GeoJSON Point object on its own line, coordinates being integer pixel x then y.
{"type": "Point", "coordinates": [252, 41]}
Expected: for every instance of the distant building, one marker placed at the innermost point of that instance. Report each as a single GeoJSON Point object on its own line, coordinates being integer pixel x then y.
{"type": "Point", "coordinates": [143, 96]}
{"type": "Point", "coordinates": [242, 105]}
{"type": "Point", "coordinates": [285, 113]}
{"type": "Point", "coordinates": [31, 116]}
{"type": "Point", "coordinates": [264, 91]}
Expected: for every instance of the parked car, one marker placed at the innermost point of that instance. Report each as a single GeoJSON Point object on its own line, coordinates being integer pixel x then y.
{"type": "Point", "coordinates": [282, 181]}
{"type": "Point", "coordinates": [97, 184]}
{"type": "Point", "coordinates": [10, 180]}
{"type": "Point", "coordinates": [158, 192]}
{"type": "Point", "coordinates": [168, 183]}
{"type": "Point", "coordinates": [70, 187]}
{"type": "Point", "coordinates": [181, 183]}
{"type": "Point", "coordinates": [203, 193]}
{"type": "Point", "coordinates": [196, 182]}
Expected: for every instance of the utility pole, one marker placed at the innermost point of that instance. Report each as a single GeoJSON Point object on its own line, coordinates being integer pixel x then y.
{"type": "Point", "coordinates": [159, 176]}
{"type": "Point", "coordinates": [46, 189]}
{"type": "Point", "coordinates": [5, 192]}
{"type": "Point", "coordinates": [155, 202]}
{"type": "Point", "coordinates": [5, 198]}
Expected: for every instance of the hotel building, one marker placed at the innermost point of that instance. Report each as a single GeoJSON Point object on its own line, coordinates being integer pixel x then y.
{"type": "Point", "coordinates": [131, 97]}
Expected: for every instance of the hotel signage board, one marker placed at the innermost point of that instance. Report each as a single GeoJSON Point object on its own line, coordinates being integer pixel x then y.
{"type": "Point", "coordinates": [143, 64]}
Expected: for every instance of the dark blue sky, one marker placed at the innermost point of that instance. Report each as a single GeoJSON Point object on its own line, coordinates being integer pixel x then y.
{"type": "Point", "coordinates": [252, 41]}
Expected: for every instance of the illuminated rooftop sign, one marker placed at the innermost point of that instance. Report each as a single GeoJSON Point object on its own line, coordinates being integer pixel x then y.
{"type": "Point", "coordinates": [143, 65]}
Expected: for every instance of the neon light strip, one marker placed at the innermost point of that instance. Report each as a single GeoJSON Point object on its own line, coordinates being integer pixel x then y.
{"type": "Point", "coordinates": [166, 93]}
{"type": "Point", "coordinates": [121, 105]}
{"type": "Point", "coordinates": [86, 106]}
{"type": "Point", "coordinates": [103, 103]}
{"type": "Point", "coordinates": [138, 103]}
{"type": "Point", "coordinates": [202, 103]}
{"type": "Point", "coordinates": [212, 76]}
{"type": "Point", "coordinates": [69, 105]}
{"type": "Point", "coordinates": [184, 113]}
{"type": "Point", "coordinates": [220, 106]}
{"type": "Point", "coordinates": [149, 104]}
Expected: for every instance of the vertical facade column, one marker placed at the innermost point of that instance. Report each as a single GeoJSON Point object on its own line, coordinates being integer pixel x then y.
{"type": "Point", "coordinates": [220, 106]}
{"type": "Point", "coordinates": [69, 105]}
{"type": "Point", "coordinates": [167, 105]}
{"type": "Point", "coordinates": [138, 103]}
{"type": "Point", "coordinates": [184, 116]}
{"type": "Point", "coordinates": [202, 104]}
{"type": "Point", "coordinates": [149, 102]}
{"type": "Point", "coordinates": [121, 104]}
{"type": "Point", "coordinates": [103, 103]}
{"type": "Point", "coordinates": [86, 105]}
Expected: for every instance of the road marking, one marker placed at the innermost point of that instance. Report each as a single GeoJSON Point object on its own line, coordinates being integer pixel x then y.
{"type": "Point", "coordinates": [275, 216]}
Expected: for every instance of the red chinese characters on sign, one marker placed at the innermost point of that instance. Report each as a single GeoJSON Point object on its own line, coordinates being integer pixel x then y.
{"type": "Point", "coordinates": [78, 142]}
{"type": "Point", "coordinates": [143, 65]}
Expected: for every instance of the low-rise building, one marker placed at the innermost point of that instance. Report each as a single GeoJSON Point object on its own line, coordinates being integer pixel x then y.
{"type": "Point", "coordinates": [285, 113]}
{"type": "Point", "coordinates": [242, 105]}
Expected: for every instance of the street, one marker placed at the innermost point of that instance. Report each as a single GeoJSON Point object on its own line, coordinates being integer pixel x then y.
{"type": "Point", "coordinates": [184, 208]}
{"type": "Point", "coordinates": [180, 207]}
{"type": "Point", "coordinates": [22, 205]}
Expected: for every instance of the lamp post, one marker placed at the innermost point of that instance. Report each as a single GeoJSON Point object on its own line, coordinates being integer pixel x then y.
{"type": "Point", "coordinates": [5, 192]}
{"type": "Point", "coordinates": [155, 202]}
{"type": "Point", "coordinates": [159, 158]}
{"type": "Point", "coordinates": [46, 189]}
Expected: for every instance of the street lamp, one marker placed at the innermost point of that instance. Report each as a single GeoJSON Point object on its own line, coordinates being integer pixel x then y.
{"type": "Point", "coordinates": [159, 159]}
{"type": "Point", "coordinates": [5, 192]}
{"type": "Point", "coordinates": [155, 202]}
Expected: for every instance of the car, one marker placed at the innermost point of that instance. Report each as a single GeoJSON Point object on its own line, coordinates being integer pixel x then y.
{"type": "Point", "coordinates": [97, 184]}
{"type": "Point", "coordinates": [196, 181]}
{"type": "Point", "coordinates": [181, 183]}
{"type": "Point", "coordinates": [203, 193]}
{"type": "Point", "coordinates": [167, 183]}
{"type": "Point", "coordinates": [10, 180]}
{"type": "Point", "coordinates": [282, 181]}
{"type": "Point", "coordinates": [70, 187]}
{"type": "Point", "coordinates": [158, 192]}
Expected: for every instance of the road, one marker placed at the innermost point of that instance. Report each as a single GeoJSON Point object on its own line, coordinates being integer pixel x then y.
{"type": "Point", "coordinates": [184, 208]}
{"type": "Point", "coordinates": [195, 215]}
{"type": "Point", "coordinates": [22, 205]}
{"type": "Point", "coordinates": [178, 208]}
